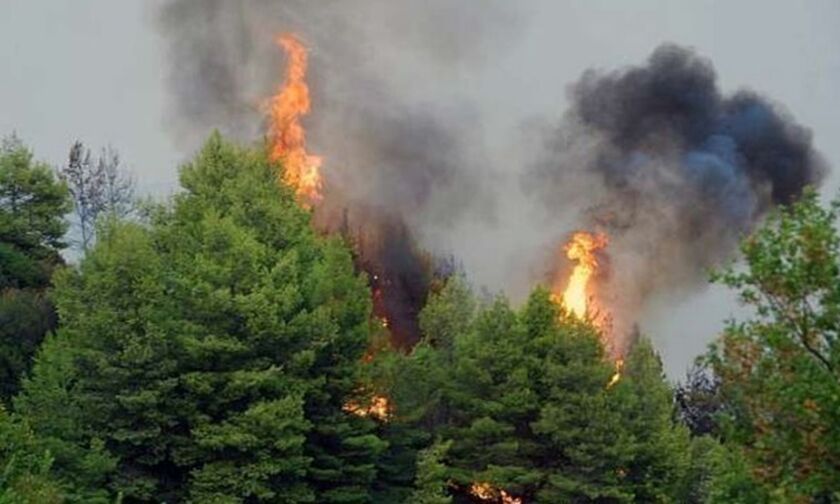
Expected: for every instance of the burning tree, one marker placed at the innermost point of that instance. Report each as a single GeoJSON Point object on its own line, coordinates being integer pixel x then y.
{"type": "Point", "coordinates": [287, 137]}
{"type": "Point", "coordinates": [400, 274]}
{"type": "Point", "coordinates": [522, 397]}
{"type": "Point", "coordinates": [578, 293]}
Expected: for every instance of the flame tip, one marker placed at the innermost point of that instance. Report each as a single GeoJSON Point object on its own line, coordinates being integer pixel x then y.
{"type": "Point", "coordinates": [581, 249]}
{"type": "Point", "coordinates": [301, 170]}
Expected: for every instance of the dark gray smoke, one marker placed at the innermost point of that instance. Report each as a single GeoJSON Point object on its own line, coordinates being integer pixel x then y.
{"type": "Point", "coordinates": [656, 155]}
{"type": "Point", "coordinates": [397, 143]}
{"type": "Point", "coordinates": [673, 170]}
{"type": "Point", "coordinates": [392, 133]}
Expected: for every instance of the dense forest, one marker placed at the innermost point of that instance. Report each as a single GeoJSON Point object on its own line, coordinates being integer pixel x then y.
{"type": "Point", "coordinates": [214, 348]}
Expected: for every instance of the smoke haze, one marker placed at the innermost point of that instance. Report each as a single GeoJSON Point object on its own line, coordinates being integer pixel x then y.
{"type": "Point", "coordinates": [400, 162]}
{"type": "Point", "coordinates": [656, 155]}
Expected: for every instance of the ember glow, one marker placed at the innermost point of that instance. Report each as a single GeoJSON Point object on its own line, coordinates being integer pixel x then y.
{"type": "Point", "coordinates": [619, 366]}
{"type": "Point", "coordinates": [287, 137]}
{"type": "Point", "coordinates": [489, 493]}
{"type": "Point", "coordinates": [379, 408]}
{"type": "Point", "coordinates": [581, 249]}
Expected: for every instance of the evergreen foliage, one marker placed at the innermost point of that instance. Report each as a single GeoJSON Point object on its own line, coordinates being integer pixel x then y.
{"type": "Point", "coordinates": [431, 482]}
{"type": "Point", "coordinates": [522, 403]}
{"type": "Point", "coordinates": [24, 466]}
{"type": "Point", "coordinates": [32, 206]}
{"type": "Point", "coordinates": [209, 354]}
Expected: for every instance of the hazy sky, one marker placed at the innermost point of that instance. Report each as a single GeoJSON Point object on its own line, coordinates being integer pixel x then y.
{"type": "Point", "coordinates": [89, 70]}
{"type": "Point", "coordinates": [95, 70]}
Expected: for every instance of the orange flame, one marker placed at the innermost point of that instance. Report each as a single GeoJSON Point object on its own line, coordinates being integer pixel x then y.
{"type": "Point", "coordinates": [619, 366]}
{"type": "Point", "coordinates": [301, 170]}
{"type": "Point", "coordinates": [487, 492]}
{"type": "Point", "coordinates": [378, 408]}
{"type": "Point", "coordinates": [581, 249]}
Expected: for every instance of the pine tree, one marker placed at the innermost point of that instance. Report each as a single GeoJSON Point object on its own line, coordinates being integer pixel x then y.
{"type": "Point", "coordinates": [417, 386]}
{"type": "Point", "coordinates": [24, 466]}
{"type": "Point", "coordinates": [214, 348]}
{"type": "Point", "coordinates": [660, 456]}
{"type": "Point", "coordinates": [414, 386]}
{"type": "Point", "coordinates": [492, 403]}
{"type": "Point", "coordinates": [431, 482]}
{"type": "Point", "coordinates": [32, 207]}
{"type": "Point", "coordinates": [583, 444]}
{"type": "Point", "coordinates": [523, 401]}
{"type": "Point", "coordinates": [49, 406]}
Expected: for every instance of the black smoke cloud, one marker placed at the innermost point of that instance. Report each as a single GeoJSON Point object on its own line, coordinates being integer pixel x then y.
{"type": "Point", "coordinates": [673, 169]}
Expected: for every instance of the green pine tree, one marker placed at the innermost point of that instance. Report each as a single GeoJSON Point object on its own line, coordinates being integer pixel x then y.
{"type": "Point", "coordinates": [33, 203]}
{"type": "Point", "coordinates": [521, 398]}
{"type": "Point", "coordinates": [50, 407]}
{"type": "Point", "coordinates": [431, 482]}
{"type": "Point", "coordinates": [25, 476]}
{"type": "Point", "coordinates": [213, 349]}
{"type": "Point", "coordinates": [660, 458]}
{"type": "Point", "coordinates": [780, 370]}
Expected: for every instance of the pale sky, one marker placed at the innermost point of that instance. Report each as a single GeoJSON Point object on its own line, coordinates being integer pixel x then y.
{"type": "Point", "coordinates": [91, 70]}
{"type": "Point", "coordinates": [95, 70]}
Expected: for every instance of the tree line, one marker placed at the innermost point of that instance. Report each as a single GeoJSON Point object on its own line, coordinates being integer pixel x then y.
{"type": "Point", "coordinates": [214, 348]}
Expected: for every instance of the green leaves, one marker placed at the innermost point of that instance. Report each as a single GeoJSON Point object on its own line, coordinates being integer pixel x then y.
{"type": "Point", "coordinates": [236, 463]}
{"type": "Point", "coordinates": [780, 371]}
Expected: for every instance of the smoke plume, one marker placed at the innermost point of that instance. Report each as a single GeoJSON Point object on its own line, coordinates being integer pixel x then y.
{"type": "Point", "coordinates": [673, 170]}
{"type": "Point", "coordinates": [416, 167]}
{"type": "Point", "coordinates": [397, 145]}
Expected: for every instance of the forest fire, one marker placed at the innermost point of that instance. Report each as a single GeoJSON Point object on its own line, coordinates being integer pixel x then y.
{"type": "Point", "coordinates": [577, 296]}
{"type": "Point", "coordinates": [301, 170]}
{"type": "Point", "coordinates": [382, 245]}
{"type": "Point", "coordinates": [287, 137]}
